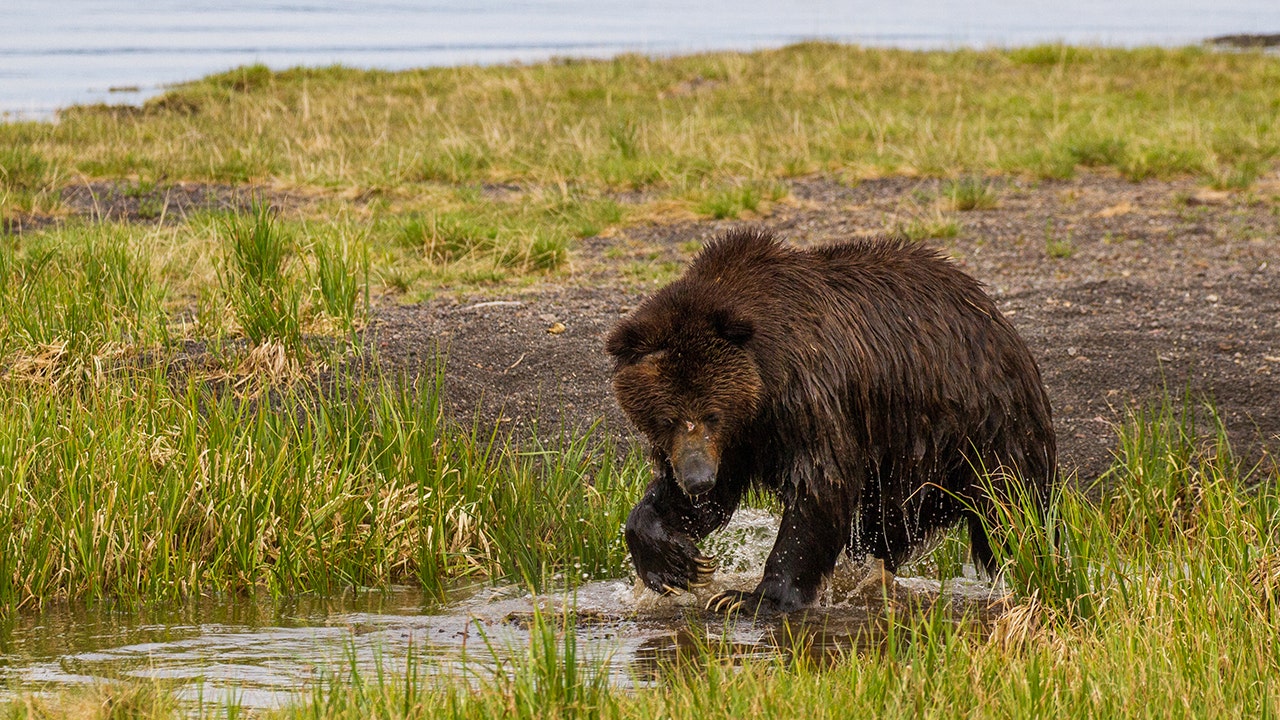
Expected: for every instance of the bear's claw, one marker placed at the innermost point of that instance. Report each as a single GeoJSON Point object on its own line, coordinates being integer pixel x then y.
{"type": "Point", "coordinates": [689, 572]}
{"type": "Point", "coordinates": [732, 601]}
{"type": "Point", "coordinates": [724, 604]}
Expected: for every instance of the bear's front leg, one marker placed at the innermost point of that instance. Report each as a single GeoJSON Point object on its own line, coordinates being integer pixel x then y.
{"type": "Point", "coordinates": [805, 553]}
{"type": "Point", "coordinates": [662, 528]}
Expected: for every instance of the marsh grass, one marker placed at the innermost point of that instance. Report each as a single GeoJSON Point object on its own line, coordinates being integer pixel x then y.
{"type": "Point", "coordinates": [1058, 247]}
{"type": "Point", "coordinates": [468, 238]}
{"type": "Point", "coordinates": [134, 490]}
{"type": "Point", "coordinates": [86, 299]}
{"type": "Point", "coordinates": [1134, 590]}
{"type": "Point", "coordinates": [67, 307]}
{"type": "Point", "coordinates": [254, 277]}
{"type": "Point", "coordinates": [547, 677]}
{"type": "Point", "coordinates": [552, 677]}
{"type": "Point", "coordinates": [109, 701]}
{"type": "Point", "coordinates": [929, 222]}
{"type": "Point", "coordinates": [628, 122]}
{"type": "Point", "coordinates": [340, 277]}
{"type": "Point", "coordinates": [1045, 554]}
{"type": "Point", "coordinates": [23, 174]}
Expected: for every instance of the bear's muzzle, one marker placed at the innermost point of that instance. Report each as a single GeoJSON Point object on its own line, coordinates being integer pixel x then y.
{"type": "Point", "coordinates": [696, 473]}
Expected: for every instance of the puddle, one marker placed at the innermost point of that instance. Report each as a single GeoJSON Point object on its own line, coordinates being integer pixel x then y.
{"type": "Point", "coordinates": [264, 652]}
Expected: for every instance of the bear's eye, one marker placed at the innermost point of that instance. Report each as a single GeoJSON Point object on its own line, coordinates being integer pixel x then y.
{"type": "Point", "coordinates": [711, 419]}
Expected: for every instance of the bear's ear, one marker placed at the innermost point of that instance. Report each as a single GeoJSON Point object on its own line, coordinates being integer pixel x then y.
{"type": "Point", "coordinates": [628, 343]}
{"type": "Point", "coordinates": [735, 329]}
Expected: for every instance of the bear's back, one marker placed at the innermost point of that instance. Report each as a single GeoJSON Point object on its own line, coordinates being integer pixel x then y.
{"type": "Point", "coordinates": [857, 286]}
{"type": "Point", "coordinates": [868, 328]}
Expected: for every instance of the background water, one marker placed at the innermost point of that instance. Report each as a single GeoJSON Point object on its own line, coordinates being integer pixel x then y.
{"type": "Point", "coordinates": [54, 54]}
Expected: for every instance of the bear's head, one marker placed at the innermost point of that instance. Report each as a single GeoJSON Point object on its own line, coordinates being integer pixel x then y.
{"type": "Point", "coordinates": [686, 377]}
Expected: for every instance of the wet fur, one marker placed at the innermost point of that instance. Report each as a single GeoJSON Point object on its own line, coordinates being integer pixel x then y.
{"type": "Point", "coordinates": [862, 382]}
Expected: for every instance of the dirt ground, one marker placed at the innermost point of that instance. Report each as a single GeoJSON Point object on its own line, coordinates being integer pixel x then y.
{"type": "Point", "coordinates": [1123, 291]}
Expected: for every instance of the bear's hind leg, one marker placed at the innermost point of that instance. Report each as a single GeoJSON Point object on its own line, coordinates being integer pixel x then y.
{"type": "Point", "coordinates": [984, 557]}
{"type": "Point", "coordinates": [896, 530]}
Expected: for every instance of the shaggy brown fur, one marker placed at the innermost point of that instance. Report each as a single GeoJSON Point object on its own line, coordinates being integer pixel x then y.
{"type": "Point", "coordinates": [866, 383]}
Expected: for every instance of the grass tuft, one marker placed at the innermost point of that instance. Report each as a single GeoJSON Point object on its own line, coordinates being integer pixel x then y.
{"type": "Point", "coordinates": [22, 169]}
{"type": "Point", "coordinates": [730, 203]}
{"type": "Point", "coordinates": [1044, 555]}
{"type": "Point", "coordinates": [970, 193]}
{"type": "Point", "coordinates": [67, 305]}
{"type": "Point", "coordinates": [1094, 152]}
{"type": "Point", "coordinates": [927, 224]}
{"type": "Point", "coordinates": [341, 275]}
{"type": "Point", "coordinates": [1058, 248]}
{"type": "Point", "coordinates": [254, 278]}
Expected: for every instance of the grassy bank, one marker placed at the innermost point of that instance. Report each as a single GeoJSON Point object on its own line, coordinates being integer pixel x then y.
{"type": "Point", "coordinates": [478, 175]}
{"type": "Point", "coordinates": [683, 122]}
{"type": "Point", "coordinates": [133, 489]}
{"type": "Point", "coordinates": [1155, 598]}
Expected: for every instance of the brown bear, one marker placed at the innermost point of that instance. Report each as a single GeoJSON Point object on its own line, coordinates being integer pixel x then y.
{"type": "Point", "coordinates": [872, 385]}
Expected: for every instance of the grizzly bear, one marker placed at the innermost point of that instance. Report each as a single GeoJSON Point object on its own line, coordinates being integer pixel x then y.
{"type": "Point", "coordinates": [872, 385]}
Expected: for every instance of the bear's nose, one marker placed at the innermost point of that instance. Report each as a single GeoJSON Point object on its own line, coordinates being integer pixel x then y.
{"type": "Point", "coordinates": [696, 473]}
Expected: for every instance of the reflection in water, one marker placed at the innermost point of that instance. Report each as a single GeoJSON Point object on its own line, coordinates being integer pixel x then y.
{"type": "Point", "coordinates": [817, 638]}
{"type": "Point", "coordinates": [263, 652]}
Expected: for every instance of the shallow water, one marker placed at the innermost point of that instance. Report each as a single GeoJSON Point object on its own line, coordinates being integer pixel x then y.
{"type": "Point", "coordinates": [83, 51]}
{"type": "Point", "coordinates": [264, 653]}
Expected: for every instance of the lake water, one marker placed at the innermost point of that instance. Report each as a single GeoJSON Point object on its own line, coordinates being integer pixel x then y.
{"type": "Point", "coordinates": [54, 54]}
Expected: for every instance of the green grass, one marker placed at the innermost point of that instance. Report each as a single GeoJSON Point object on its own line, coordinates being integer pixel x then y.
{"type": "Point", "coordinates": [970, 193]}
{"type": "Point", "coordinates": [615, 123]}
{"type": "Point", "coordinates": [1058, 247]}
{"type": "Point", "coordinates": [526, 234]}
{"type": "Point", "coordinates": [67, 304]}
{"type": "Point", "coordinates": [928, 223]}
{"type": "Point", "coordinates": [254, 279]}
{"type": "Point", "coordinates": [732, 202]}
{"type": "Point", "coordinates": [86, 298]}
{"type": "Point", "coordinates": [138, 489]}
{"type": "Point", "coordinates": [341, 278]}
